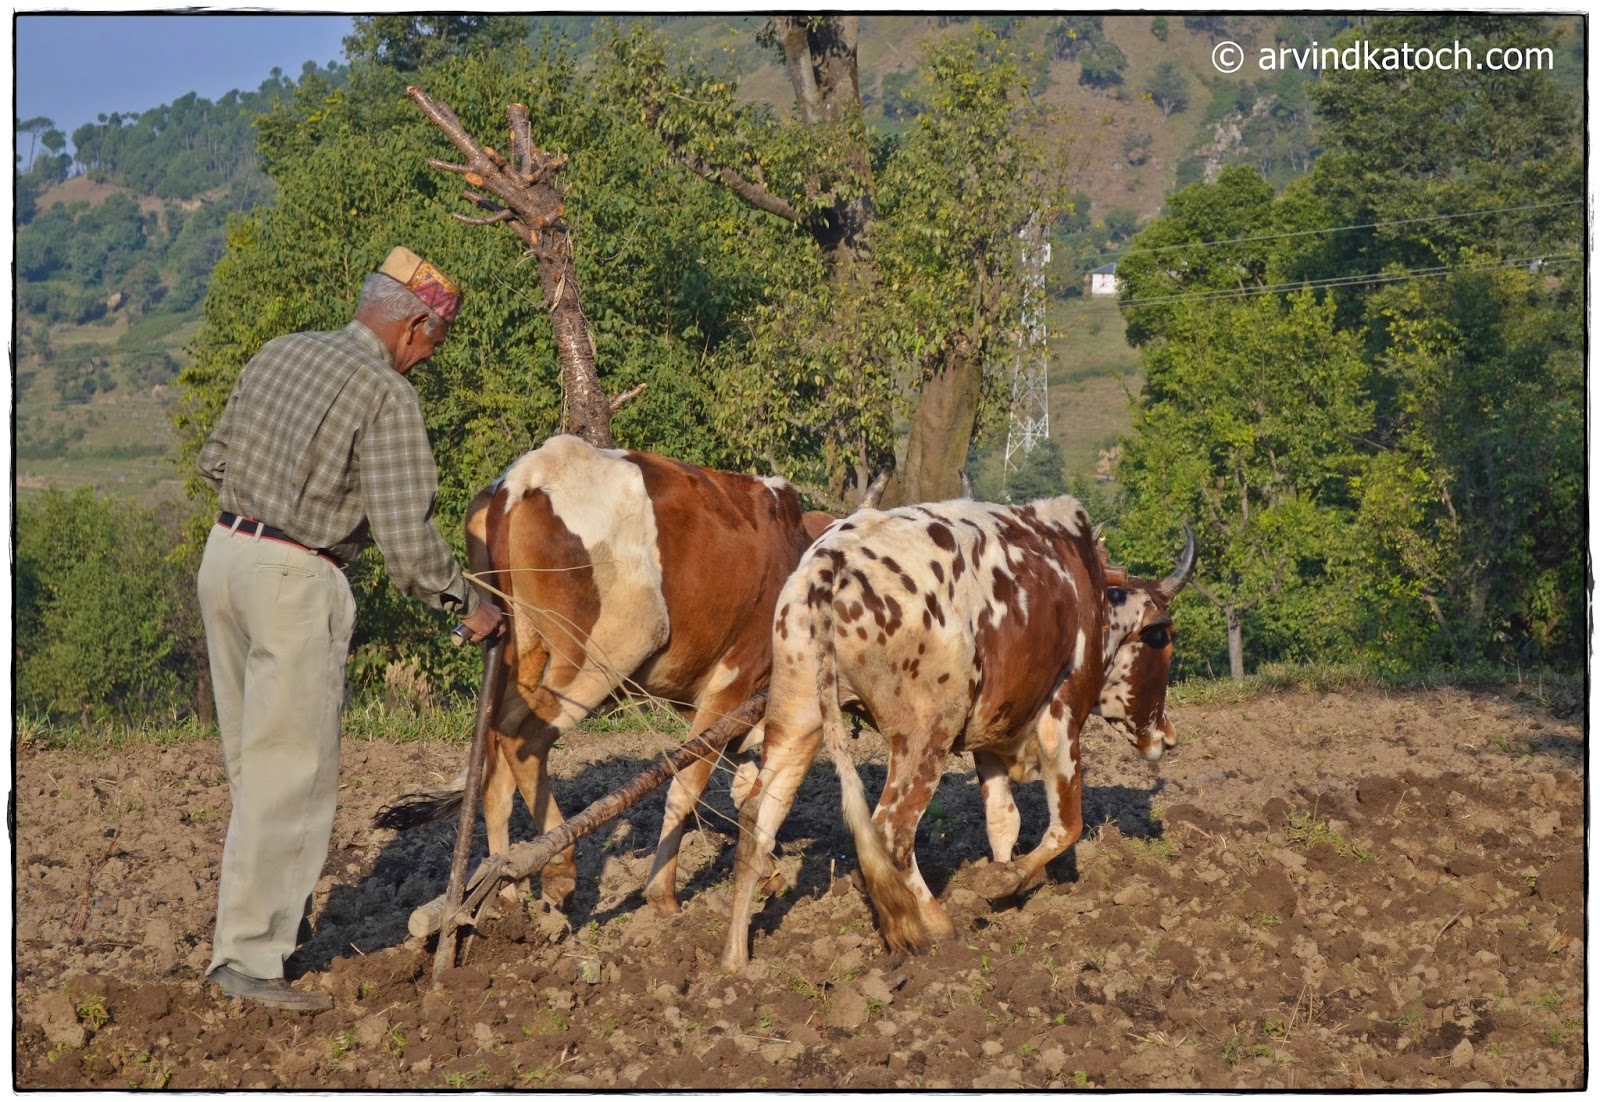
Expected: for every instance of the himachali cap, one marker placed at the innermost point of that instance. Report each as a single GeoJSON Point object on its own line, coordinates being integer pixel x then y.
{"type": "Point", "coordinates": [425, 281]}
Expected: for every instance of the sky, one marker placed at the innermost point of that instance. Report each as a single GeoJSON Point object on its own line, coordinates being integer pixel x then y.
{"type": "Point", "coordinates": [73, 68]}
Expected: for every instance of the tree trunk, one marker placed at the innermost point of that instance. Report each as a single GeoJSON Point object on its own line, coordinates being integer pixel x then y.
{"type": "Point", "coordinates": [1235, 618]}
{"type": "Point", "coordinates": [941, 430]}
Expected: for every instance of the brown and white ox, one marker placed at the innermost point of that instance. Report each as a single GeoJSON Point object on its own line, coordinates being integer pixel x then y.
{"type": "Point", "coordinates": [622, 572]}
{"type": "Point", "coordinates": [957, 626]}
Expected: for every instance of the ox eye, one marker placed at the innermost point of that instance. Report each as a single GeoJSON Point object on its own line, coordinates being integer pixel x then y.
{"type": "Point", "coordinates": [1117, 596]}
{"type": "Point", "coordinates": [1157, 636]}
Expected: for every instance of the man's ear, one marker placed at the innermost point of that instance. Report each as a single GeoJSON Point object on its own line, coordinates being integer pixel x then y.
{"type": "Point", "coordinates": [415, 326]}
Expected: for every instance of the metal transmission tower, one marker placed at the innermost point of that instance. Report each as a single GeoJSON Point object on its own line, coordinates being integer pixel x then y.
{"type": "Point", "coordinates": [1030, 369]}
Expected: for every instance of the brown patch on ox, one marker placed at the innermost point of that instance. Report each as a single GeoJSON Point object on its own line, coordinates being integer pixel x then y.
{"type": "Point", "coordinates": [553, 593]}
{"type": "Point", "coordinates": [892, 627]}
{"type": "Point", "coordinates": [715, 610]}
{"type": "Point", "coordinates": [1016, 649]}
{"type": "Point", "coordinates": [894, 568]}
{"type": "Point", "coordinates": [941, 536]}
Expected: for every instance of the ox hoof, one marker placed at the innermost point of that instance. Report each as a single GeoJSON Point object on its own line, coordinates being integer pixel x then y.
{"type": "Point", "coordinates": [664, 904]}
{"type": "Point", "coordinates": [557, 892]}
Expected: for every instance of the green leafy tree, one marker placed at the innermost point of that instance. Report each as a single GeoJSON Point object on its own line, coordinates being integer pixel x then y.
{"type": "Point", "coordinates": [1234, 236]}
{"type": "Point", "coordinates": [98, 633]}
{"type": "Point", "coordinates": [1248, 429]}
{"type": "Point", "coordinates": [1478, 502]}
{"type": "Point", "coordinates": [1168, 89]}
{"type": "Point", "coordinates": [843, 333]}
{"type": "Point", "coordinates": [1472, 504]}
{"type": "Point", "coordinates": [670, 269]}
{"type": "Point", "coordinates": [1041, 473]}
{"type": "Point", "coordinates": [1071, 35]}
{"type": "Point", "coordinates": [406, 43]}
{"type": "Point", "coordinates": [1101, 66]}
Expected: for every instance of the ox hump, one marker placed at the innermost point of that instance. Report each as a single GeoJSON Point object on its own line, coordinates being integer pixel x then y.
{"type": "Point", "coordinates": [600, 495]}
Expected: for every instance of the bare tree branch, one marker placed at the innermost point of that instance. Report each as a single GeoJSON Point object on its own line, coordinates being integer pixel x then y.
{"type": "Point", "coordinates": [526, 199]}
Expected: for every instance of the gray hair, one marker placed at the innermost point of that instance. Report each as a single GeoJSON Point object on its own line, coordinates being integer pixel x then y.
{"type": "Point", "coordinates": [393, 302]}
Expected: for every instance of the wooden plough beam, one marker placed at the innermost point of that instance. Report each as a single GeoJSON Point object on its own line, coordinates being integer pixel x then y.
{"type": "Point", "coordinates": [526, 858]}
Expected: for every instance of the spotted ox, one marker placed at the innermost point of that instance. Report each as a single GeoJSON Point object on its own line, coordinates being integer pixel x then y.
{"type": "Point", "coordinates": [624, 571]}
{"type": "Point", "coordinates": [960, 626]}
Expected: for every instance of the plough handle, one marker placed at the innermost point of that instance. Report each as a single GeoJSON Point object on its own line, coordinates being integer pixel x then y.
{"type": "Point", "coordinates": [488, 701]}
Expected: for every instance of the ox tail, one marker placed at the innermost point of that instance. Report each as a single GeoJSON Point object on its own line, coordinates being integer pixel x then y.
{"type": "Point", "coordinates": [430, 805]}
{"type": "Point", "coordinates": [899, 910]}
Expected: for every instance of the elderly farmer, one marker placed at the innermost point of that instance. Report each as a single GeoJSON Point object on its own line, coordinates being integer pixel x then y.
{"type": "Point", "coordinates": [321, 445]}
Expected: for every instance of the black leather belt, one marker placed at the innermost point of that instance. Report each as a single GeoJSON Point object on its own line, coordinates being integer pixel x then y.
{"type": "Point", "coordinates": [247, 527]}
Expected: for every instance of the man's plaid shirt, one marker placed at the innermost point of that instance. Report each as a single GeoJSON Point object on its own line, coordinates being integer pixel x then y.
{"type": "Point", "coordinates": [324, 439]}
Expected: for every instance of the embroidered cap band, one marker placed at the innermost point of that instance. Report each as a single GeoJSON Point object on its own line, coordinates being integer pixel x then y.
{"type": "Point", "coordinates": [423, 280]}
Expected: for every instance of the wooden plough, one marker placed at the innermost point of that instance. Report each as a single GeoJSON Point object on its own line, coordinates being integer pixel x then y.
{"type": "Point", "coordinates": [460, 905]}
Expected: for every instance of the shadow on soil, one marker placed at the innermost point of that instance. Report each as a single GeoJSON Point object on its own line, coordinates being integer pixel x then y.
{"type": "Point", "coordinates": [413, 867]}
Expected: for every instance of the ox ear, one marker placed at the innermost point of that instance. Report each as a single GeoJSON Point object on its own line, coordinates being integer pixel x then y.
{"type": "Point", "coordinates": [874, 494]}
{"type": "Point", "coordinates": [1116, 576]}
{"type": "Point", "coordinates": [1172, 583]}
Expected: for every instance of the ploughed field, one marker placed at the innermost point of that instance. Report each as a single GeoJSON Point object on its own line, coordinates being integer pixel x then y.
{"type": "Point", "coordinates": [1344, 890]}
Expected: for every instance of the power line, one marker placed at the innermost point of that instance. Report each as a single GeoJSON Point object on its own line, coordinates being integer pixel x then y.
{"type": "Point", "coordinates": [1345, 281]}
{"type": "Point", "coordinates": [1339, 229]}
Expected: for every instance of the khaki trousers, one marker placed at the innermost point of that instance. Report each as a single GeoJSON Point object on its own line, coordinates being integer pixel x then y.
{"type": "Point", "coordinates": [278, 621]}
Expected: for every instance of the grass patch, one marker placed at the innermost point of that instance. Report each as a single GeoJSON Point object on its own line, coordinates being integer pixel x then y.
{"type": "Point", "coordinates": [42, 733]}
{"type": "Point", "coordinates": [1557, 691]}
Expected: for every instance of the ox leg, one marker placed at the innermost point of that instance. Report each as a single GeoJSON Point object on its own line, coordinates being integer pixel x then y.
{"type": "Point", "coordinates": [785, 759]}
{"type": "Point", "coordinates": [688, 785]}
{"type": "Point", "coordinates": [499, 791]}
{"type": "Point", "coordinates": [524, 746]}
{"type": "Point", "coordinates": [559, 878]}
{"type": "Point", "coordinates": [1061, 767]}
{"type": "Point", "coordinates": [746, 768]}
{"type": "Point", "coordinates": [900, 809]}
{"type": "Point", "coordinates": [1001, 817]}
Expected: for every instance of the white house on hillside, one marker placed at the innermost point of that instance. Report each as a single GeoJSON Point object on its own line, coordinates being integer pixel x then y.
{"type": "Point", "coordinates": [1103, 280]}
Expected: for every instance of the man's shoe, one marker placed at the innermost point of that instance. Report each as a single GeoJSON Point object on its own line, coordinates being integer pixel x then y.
{"type": "Point", "coordinates": [276, 994]}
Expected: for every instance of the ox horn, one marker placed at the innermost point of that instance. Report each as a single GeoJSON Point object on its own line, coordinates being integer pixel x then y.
{"type": "Point", "coordinates": [966, 484]}
{"type": "Point", "coordinates": [1181, 574]}
{"type": "Point", "coordinates": [874, 494]}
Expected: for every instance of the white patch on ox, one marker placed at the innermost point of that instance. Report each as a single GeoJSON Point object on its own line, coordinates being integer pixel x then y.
{"type": "Point", "coordinates": [600, 496]}
{"type": "Point", "coordinates": [722, 675]}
